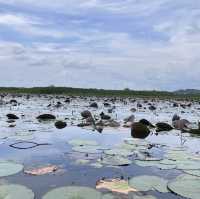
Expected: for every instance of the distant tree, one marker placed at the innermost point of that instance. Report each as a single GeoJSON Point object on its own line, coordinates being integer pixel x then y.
{"type": "Point", "coordinates": [127, 89]}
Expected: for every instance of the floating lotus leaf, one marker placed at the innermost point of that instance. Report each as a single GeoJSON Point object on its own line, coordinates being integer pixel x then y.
{"type": "Point", "coordinates": [73, 192]}
{"type": "Point", "coordinates": [143, 197]}
{"type": "Point", "coordinates": [87, 149]}
{"type": "Point", "coordinates": [120, 152]}
{"type": "Point", "coordinates": [166, 161]}
{"type": "Point", "coordinates": [137, 142]}
{"type": "Point", "coordinates": [115, 161]}
{"type": "Point", "coordinates": [187, 177]}
{"type": "Point", "coordinates": [96, 165]}
{"type": "Point", "coordinates": [8, 168]}
{"type": "Point", "coordinates": [3, 136]}
{"type": "Point", "coordinates": [147, 183]}
{"type": "Point", "coordinates": [115, 185]}
{"type": "Point", "coordinates": [109, 196]}
{"type": "Point", "coordinates": [14, 191]}
{"type": "Point", "coordinates": [154, 164]}
{"type": "Point", "coordinates": [79, 142]}
{"type": "Point", "coordinates": [180, 148]}
{"type": "Point", "coordinates": [186, 187]}
{"type": "Point", "coordinates": [82, 162]}
{"type": "Point", "coordinates": [188, 165]}
{"type": "Point", "coordinates": [127, 147]}
{"type": "Point", "coordinates": [178, 155]}
{"type": "Point", "coordinates": [193, 172]}
{"type": "Point", "coordinates": [23, 136]}
{"type": "Point", "coordinates": [77, 155]}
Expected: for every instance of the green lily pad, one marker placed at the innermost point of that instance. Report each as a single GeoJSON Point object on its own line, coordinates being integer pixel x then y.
{"type": "Point", "coordinates": [187, 177]}
{"type": "Point", "coordinates": [14, 191]}
{"type": "Point", "coordinates": [188, 165]}
{"type": "Point", "coordinates": [79, 142]}
{"type": "Point", "coordinates": [193, 172]}
{"type": "Point", "coordinates": [166, 161]}
{"type": "Point", "coordinates": [115, 161]}
{"type": "Point", "coordinates": [178, 155]}
{"type": "Point", "coordinates": [73, 192]}
{"type": "Point", "coordinates": [87, 149]}
{"type": "Point", "coordinates": [23, 136]}
{"type": "Point", "coordinates": [8, 168]}
{"type": "Point", "coordinates": [186, 187]}
{"type": "Point", "coordinates": [143, 197]}
{"type": "Point", "coordinates": [154, 164]}
{"type": "Point", "coordinates": [109, 196]}
{"type": "Point", "coordinates": [147, 183]}
{"type": "Point", "coordinates": [96, 165]}
{"type": "Point", "coordinates": [120, 152]}
{"type": "Point", "coordinates": [127, 147]}
{"type": "Point", "coordinates": [137, 142]}
{"type": "Point", "coordinates": [82, 162]}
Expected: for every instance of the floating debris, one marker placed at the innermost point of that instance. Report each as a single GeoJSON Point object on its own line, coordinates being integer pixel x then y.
{"type": "Point", "coordinates": [42, 170]}
{"type": "Point", "coordinates": [115, 185]}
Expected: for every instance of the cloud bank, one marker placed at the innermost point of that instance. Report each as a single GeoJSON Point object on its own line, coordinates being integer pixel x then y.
{"type": "Point", "coordinates": [100, 43]}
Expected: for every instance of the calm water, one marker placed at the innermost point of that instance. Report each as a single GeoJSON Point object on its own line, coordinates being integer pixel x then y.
{"type": "Point", "coordinates": [59, 152]}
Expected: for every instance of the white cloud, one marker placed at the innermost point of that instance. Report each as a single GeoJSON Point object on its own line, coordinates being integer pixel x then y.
{"type": "Point", "coordinates": [98, 57]}
{"type": "Point", "coordinates": [141, 7]}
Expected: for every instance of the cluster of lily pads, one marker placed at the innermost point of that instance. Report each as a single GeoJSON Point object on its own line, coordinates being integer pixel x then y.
{"type": "Point", "coordinates": [133, 151]}
{"type": "Point", "coordinates": [185, 185]}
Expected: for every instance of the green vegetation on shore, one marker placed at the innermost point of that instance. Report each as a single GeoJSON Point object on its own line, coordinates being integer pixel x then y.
{"type": "Point", "coordinates": [95, 92]}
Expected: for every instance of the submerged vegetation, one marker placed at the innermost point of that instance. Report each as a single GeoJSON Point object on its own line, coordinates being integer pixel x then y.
{"type": "Point", "coordinates": [98, 92]}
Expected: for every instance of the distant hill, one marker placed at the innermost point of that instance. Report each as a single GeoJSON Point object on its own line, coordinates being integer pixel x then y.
{"type": "Point", "coordinates": [187, 92]}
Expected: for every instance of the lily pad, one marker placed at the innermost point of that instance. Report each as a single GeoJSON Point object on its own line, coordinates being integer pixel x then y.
{"type": "Point", "coordinates": [166, 161]}
{"type": "Point", "coordinates": [14, 191]}
{"type": "Point", "coordinates": [87, 149]}
{"type": "Point", "coordinates": [109, 196]}
{"type": "Point", "coordinates": [79, 142]}
{"type": "Point", "coordinates": [189, 188]}
{"type": "Point", "coordinates": [8, 168]}
{"type": "Point", "coordinates": [23, 136]}
{"type": "Point", "coordinates": [115, 161]}
{"type": "Point", "coordinates": [147, 183]}
{"type": "Point", "coordinates": [73, 192]}
{"type": "Point", "coordinates": [120, 152]}
{"type": "Point", "coordinates": [137, 142]}
{"type": "Point", "coordinates": [82, 162]}
{"type": "Point", "coordinates": [188, 165]}
{"type": "Point", "coordinates": [193, 172]}
{"type": "Point", "coordinates": [178, 155]}
{"type": "Point", "coordinates": [154, 164]}
{"type": "Point", "coordinates": [143, 197]}
{"type": "Point", "coordinates": [96, 165]}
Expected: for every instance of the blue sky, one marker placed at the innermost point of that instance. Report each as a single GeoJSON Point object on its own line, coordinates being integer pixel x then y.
{"type": "Point", "coordinates": [114, 44]}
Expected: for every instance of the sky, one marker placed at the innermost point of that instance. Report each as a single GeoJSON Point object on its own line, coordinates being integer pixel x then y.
{"type": "Point", "coordinates": [110, 44]}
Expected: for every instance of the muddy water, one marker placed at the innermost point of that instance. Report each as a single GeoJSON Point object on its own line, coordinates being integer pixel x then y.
{"type": "Point", "coordinates": [59, 152]}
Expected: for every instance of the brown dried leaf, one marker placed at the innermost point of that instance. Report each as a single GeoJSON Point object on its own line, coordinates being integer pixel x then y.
{"type": "Point", "coordinates": [41, 171]}
{"type": "Point", "coordinates": [115, 185]}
